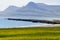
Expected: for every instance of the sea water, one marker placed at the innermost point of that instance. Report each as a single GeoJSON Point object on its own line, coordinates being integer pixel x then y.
{"type": "Point", "coordinates": [4, 23]}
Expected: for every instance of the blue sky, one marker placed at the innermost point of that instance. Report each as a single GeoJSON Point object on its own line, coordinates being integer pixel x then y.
{"type": "Point", "coordinates": [5, 3]}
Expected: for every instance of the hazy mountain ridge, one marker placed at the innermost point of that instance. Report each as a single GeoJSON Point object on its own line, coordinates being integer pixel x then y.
{"type": "Point", "coordinates": [34, 9]}
{"type": "Point", "coordinates": [11, 8]}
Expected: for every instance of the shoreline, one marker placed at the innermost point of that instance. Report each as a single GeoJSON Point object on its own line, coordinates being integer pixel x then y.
{"type": "Point", "coordinates": [50, 25]}
{"type": "Point", "coordinates": [47, 25]}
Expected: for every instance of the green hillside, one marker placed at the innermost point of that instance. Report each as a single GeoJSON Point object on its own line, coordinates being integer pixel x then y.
{"type": "Point", "coordinates": [30, 33]}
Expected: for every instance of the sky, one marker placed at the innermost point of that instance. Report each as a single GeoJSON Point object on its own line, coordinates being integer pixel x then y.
{"type": "Point", "coordinates": [6, 3]}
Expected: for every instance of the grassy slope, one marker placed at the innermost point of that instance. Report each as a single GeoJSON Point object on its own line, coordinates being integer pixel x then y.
{"type": "Point", "coordinates": [33, 33]}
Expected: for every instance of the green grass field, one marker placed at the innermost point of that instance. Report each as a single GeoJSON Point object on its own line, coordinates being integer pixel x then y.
{"type": "Point", "coordinates": [30, 33]}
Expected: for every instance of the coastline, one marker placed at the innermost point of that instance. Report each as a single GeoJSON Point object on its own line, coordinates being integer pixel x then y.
{"type": "Point", "coordinates": [49, 25]}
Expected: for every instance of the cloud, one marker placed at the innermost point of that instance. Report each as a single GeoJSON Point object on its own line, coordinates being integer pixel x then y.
{"type": "Point", "coordinates": [50, 2]}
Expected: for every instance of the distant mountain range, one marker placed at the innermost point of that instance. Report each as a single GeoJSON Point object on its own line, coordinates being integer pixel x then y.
{"type": "Point", "coordinates": [33, 9]}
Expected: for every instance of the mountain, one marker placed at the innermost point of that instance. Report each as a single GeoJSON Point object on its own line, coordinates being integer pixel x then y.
{"type": "Point", "coordinates": [11, 8]}
{"type": "Point", "coordinates": [34, 10]}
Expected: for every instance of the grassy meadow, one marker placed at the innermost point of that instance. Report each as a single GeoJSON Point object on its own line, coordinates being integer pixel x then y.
{"type": "Point", "coordinates": [30, 33]}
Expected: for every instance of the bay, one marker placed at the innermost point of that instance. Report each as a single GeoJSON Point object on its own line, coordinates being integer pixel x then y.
{"type": "Point", "coordinates": [4, 23]}
{"type": "Point", "coordinates": [10, 23]}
